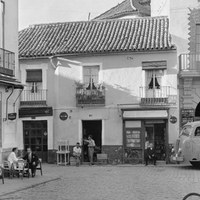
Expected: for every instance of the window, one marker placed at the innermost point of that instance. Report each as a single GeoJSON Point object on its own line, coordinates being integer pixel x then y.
{"type": "Point", "coordinates": [34, 75]}
{"type": "Point", "coordinates": [154, 83]}
{"type": "Point", "coordinates": [197, 131]}
{"type": "Point", "coordinates": [186, 130]}
{"type": "Point", "coordinates": [154, 78]}
{"type": "Point", "coordinates": [91, 77]}
{"type": "Point", "coordinates": [34, 79]}
{"type": "Point", "coordinates": [197, 39]}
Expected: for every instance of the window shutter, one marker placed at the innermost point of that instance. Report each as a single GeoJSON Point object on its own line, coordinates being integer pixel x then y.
{"type": "Point", "coordinates": [34, 75]}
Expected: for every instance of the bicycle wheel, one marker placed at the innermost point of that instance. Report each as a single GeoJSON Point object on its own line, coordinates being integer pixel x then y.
{"type": "Point", "coordinates": [191, 196]}
{"type": "Point", "coordinates": [133, 158]}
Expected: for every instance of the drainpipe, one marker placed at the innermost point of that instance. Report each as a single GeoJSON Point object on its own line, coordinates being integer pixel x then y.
{"type": "Point", "coordinates": [17, 99]}
{"type": "Point", "coordinates": [51, 61]}
{"type": "Point", "coordinates": [7, 102]}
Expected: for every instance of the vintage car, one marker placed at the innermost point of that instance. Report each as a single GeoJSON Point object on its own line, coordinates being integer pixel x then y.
{"type": "Point", "coordinates": [187, 147]}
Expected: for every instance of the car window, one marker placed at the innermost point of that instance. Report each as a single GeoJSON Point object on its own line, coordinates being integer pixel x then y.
{"type": "Point", "coordinates": [197, 131]}
{"type": "Point", "coordinates": [186, 130]}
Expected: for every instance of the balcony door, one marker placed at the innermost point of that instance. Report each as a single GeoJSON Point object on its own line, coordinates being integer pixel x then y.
{"type": "Point", "coordinates": [36, 137]}
{"type": "Point", "coordinates": [34, 84]}
{"type": "Point", "coordinates": [91, 77]}
{"type": "Point", "coordinates": [154, 87]}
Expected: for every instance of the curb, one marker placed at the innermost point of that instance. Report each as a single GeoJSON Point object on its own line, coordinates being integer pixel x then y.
{"type": "Point", "coordinates": [31, 186]}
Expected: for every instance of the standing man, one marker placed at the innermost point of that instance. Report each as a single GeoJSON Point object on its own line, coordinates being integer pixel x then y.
{"type": "Point", "coordinates": [91, 145]}
{"type": "Point", "coordinates": [77, 153]}
{"type": "Point", "coordinates": [32, 160]}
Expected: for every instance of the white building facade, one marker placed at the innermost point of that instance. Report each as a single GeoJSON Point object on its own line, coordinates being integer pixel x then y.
{"type": "Point", "coordinates": [9, 86]}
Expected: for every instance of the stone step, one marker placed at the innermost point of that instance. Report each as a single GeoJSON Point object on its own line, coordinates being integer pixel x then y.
{"type": "Point", "coordinates": [160, 162]}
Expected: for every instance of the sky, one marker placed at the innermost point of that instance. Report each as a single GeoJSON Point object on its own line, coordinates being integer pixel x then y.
{"type": "Point", "coordinates": [47, 11]}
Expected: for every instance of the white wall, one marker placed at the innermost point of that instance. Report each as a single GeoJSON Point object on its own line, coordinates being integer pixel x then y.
{"type": "Point", "coordinates": [122, 76]}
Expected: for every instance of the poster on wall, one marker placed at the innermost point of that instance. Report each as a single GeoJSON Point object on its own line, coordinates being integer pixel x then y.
{"type": "Point", "coordinates": [133, 138]}
{"type": "Point", "coordinates": [187, 115]}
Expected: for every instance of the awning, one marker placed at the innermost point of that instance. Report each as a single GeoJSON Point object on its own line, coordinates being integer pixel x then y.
{"type": "Point", "coordinates": [11, 82]}
{"type": "Point", "coordinates": [144, 114]}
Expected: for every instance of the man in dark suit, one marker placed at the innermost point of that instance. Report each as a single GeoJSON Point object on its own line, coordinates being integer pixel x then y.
{"type": "Point", "coordinates": [32, 160]}
{"type": "Point", "coordinates": [150, 154]}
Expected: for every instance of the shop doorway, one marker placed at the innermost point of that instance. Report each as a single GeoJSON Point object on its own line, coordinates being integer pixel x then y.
{"type": "Point", "coordinates": [155, 133]}
{"type": "Point", "coordinates": [94, 128]}
{"type": "Point", "coordinates": [35, 136]}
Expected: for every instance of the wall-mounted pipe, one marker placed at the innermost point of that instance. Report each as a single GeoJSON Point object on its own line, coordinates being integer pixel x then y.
{"type": "Point", "coordinates": [17, 99]}
{"type": "Point", "coordinates": [7, 102]}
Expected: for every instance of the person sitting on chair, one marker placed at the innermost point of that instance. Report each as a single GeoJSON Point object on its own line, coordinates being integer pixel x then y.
{"type": "Point", "coordinates": [32, 160]}
{"type": "Point", "coordinates": [150, 154]}
{"type": "Point", "coordinates": [12, 158]}
{"type": "Point", "coordinates": [77, 153]}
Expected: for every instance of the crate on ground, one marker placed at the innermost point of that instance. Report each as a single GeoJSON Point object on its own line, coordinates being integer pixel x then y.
{"type": "Point", "coordinates": [102, 158]}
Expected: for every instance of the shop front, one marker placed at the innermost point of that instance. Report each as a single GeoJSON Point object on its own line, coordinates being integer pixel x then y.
{"type": "Point", "coordinates": [142, 127]}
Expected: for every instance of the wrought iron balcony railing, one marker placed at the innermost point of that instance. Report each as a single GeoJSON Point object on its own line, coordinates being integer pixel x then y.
{"type": "Point", "coordinates": [30, 97]}
{"type": "Point", "coordinates": [157, 96]}
{"type": "Point", "coordinates": [189, 62]}
{"type": "Point", "coordinates": [7, 62]}
{"type": "Point", "coordinates": [91, 97]}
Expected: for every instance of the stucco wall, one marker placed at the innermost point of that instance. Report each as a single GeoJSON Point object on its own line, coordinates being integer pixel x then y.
{"type": "Point", "coordinates": [122, 76]}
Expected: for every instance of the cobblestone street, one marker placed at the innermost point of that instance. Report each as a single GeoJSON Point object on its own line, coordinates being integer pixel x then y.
{"type": "Point", "coordinates": [115, 183]}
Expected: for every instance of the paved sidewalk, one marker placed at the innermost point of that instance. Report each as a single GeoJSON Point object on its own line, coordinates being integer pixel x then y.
{"type": "Point", "coordinates": [18, 184]}
{"type": "Point", "coordinates": [52, 172]}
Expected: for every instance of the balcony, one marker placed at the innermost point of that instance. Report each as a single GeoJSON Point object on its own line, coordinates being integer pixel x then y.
{"type": "Point", "coordinates": [157, 97]}
{"type": "Point", "coordinates": [7, 62]}
{"type": "Point", "coordinates": [33, 98]}
{"type": "Point", "coordinates": [189, 65]}
{"type": "Point", "coordinates": [91, 97]}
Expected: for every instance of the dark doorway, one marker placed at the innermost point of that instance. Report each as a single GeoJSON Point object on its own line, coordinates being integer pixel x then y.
{"type": "Point", "coordinates": [156, 134]}
{"type": "Point", "coordinates": [35, 136]}
{"type": "Point", "coordinates": [94, 128]}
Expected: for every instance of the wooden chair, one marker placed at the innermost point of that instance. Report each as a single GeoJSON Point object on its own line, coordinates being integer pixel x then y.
{"type": "Point", "coordinates": [63, 152]}
{"type": "Point", "coordinates": [8, 169]}
{"type": "Point", "coordinates": [39, 166]}
{"type": "Point", "coordinates": [2, 174]}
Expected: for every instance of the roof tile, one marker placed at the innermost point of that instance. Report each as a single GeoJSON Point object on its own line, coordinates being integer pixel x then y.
{"type": "Point", "coordinates": [127, 7]}
{"type": "Point", "coordinates": [139, 34]}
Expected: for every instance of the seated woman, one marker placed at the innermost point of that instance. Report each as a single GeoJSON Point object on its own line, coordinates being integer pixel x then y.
{"type": "Point", "coordinates": [12, 158]}
{"type": "Point", "coordinates": [77, 153]}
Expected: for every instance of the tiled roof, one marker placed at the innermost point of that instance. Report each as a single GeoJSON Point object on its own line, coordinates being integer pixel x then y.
{"type": "Point", "coordinates": [145, 2]}
{"type": "Point", "coordinates": [127, 7]}
{"type": "Point", "coordinates": [127, 35]}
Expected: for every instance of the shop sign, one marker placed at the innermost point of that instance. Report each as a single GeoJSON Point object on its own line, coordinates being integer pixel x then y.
{"type": "Point", "coordinates": [12, 116]}
{"type": "Point", "coordinates": [187, 115]}
{"type": "Point", "coordinates": [63, 115]}
{"type": "Point", "coordinates": [173, 119]}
